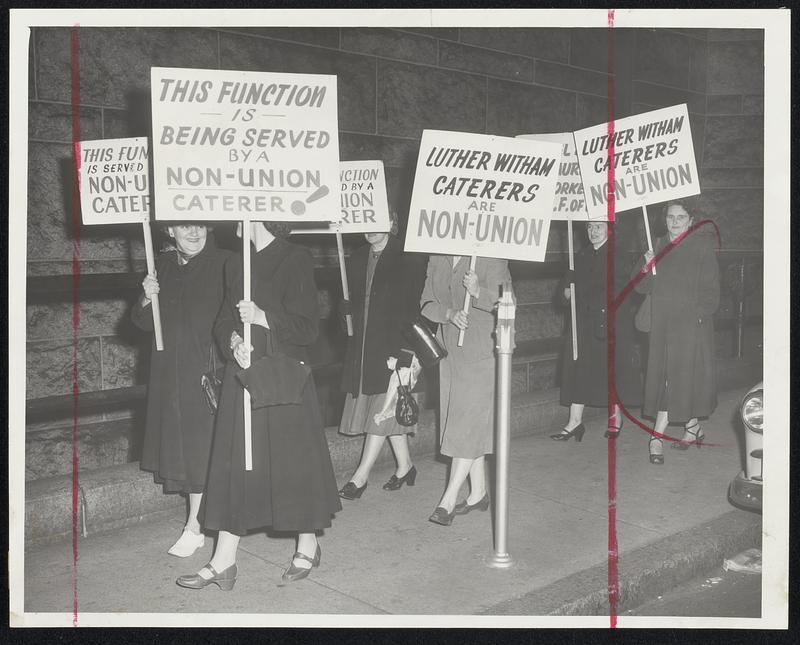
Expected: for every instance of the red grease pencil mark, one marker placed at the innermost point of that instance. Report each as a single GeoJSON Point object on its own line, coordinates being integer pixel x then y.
{"type": "Point", "coordinates": [76, 311]}
{"type": "Point", "coordinates": [613, 552]}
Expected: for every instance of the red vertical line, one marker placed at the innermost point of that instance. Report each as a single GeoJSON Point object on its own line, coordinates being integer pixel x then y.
{"type": "Point", "coordinates": [613, 553]}
{"type": "Point", "coordinates": [76, 311]}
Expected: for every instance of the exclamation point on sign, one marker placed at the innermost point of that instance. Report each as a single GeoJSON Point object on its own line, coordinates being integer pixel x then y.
{"type": "Point", "coordinates": [298, 207]}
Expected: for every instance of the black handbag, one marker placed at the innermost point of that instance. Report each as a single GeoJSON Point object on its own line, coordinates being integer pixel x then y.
{"type": "Point", "coordinates": [210, 382]}
{"type": "Point", "coordinates": [406, 412]}
{"type": "Point", "coordinates": [423, 341]}
{"type": "Point", "coordinates": [275, 379]}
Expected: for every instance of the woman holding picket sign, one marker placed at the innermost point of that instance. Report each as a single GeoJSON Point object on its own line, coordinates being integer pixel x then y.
{"type": "Point", "coordinates": [180, 420]}
{"type": "Point", "coordinates": [467, 374]}
{"type": "Point", "coordinates": [681, 379]}
{"type": "Point", "coordinates": [386, 285]}
{"type": "Point", "coordinates": [291, 486]}
{"type": "Point", "coordinates": [584, 381]}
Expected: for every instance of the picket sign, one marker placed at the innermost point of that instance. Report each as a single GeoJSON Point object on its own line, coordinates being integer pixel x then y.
{"type": "Point", "coordinates": [220, 155]}
{"type": "Point", "coordinates": [467, 299]}
{"type": "Point", "coordinates": [364, 208]}
{"type": "Point", "coordinates": [566, 207]}
{"type": "Point", "coordinates": [113, 180]}
{"type": "Point", "coordinates": [653, 162]}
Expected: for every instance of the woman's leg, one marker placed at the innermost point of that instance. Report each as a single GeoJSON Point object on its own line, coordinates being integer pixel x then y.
{"type": "Point", "coordinates": [307, 545]}
{"type": "Point", "coordinates": [459, 470]}
{"type": "Point", "coordinates": [575, 416]}
{"type": "Point", "coordinates": [662, 421]}
{"type": "Point", "coordinates": [692, 430]}
{"type": "Point", "coordinates": [194, 507]}
{"type": "Point", "coordinates": [224, 555]}
{"type": "Point", "coordinates": [477, 480]}
{"type": "Point", "coordinates": [372, 448]}
{"type": "Point", "coordinates": [399, 443]}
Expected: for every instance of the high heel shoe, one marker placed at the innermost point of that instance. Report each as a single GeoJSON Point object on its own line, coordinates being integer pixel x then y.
{"type": "Point", "coordinates": [351, 491]}
{"type": "Point", "coordinates": [293, 573]}
{"type": "Point", "coordinates": [608, 434]}
{"type": "Point", "coordinates": [566, 435]}
{"type": "Point", "coordinates": [697, 438]}
{"type": "Point", "coordinates": [223, 579]}
{"type": "Point", "coordinates": [656, 457]}
{"type": "Point", "coordinates": [441, 516]}
{"type": "Point", "coordinates": [396, 482]}
{"type": "Point", "coordinates": [463, 507]}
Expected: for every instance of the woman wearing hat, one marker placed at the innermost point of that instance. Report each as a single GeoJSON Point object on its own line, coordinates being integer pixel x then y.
{"type": "Point", "coordinates": [467, 374]}
{"type": "Point", "coordinates": [179, 425]}
{"type": "Point", "coordinates": [386, 285]}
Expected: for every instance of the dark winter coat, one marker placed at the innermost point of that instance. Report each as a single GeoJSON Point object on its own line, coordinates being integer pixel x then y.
{"type": "Point", "coordinates": [178, 425]}
{"type": "Point", "coordinates": [393, 302]}
{"type": "Point", "coordinates": [586, 380]}
{"type": "Point", "coordinates": [681, 373]}
{"type": "Point", "coordinates": [291, 486]}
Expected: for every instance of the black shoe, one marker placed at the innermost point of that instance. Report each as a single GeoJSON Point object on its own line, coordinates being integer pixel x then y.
{"type": "Point", "coordinates": [566, 435]}
{"type": "Point", "coordinates": [656, 457]}
{"type": "Point", "coordinates": [690, 438]}
{"type": "Point", "coordinates": [616, 432]}
{"type": "Point", "coordinates": [396, 482]}
{"type": "Point", "coordinates": [224, 579]}
{"type": "Point", "coordinates": [351, 491]}
{"type": "Point", "coordinates": [293, 573]}
{"type": "Point", "coordinates": [463, 508]}
{"type": "Point", "coordinates": [441, 516]}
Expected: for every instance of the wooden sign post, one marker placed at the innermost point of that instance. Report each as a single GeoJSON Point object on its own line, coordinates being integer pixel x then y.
{"type": "Point", "coordinates": [246, 278]}
{"type": "Point", "coordinates": [343, 274]}
{"type": "Point", "coordinates": [151, 269]}
{"type": "Point", "coordinates": [647, 233]}
{"type": "Point", "coordinates": [572, 305]}
{"type": "Point", "coordinates": [467, 299]}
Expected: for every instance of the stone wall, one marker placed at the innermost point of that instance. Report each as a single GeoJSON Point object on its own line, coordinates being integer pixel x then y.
{"type": "Point", "coordinates": [392, 84]}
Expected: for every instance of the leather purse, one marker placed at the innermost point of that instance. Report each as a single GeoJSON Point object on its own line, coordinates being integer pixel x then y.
{"type": "Point", "coordinates": [275, 379]}
{"type": "Point", "coordinates": [210, 383]}
{"type": "Point", "coordinates": [406, 411]}
{"type": "Point", "coordinates": [423, 341]}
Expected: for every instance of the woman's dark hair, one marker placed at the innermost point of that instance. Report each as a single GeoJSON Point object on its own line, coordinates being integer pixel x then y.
{"type": "Point", "coordinates": [279, 229]}
{"type": "Point", "coordinates": [689, 204]}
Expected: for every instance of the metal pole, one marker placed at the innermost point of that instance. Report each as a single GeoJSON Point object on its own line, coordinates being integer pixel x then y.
{"type": "Point", "coordinates": [740, 313]}
{"type": "Point", "coordinates": [500, 558]}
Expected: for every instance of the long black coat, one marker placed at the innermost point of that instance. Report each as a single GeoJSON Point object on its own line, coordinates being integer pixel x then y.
{"type": "Point", "coordinates": [393, 301]}
{"type": "Point", "coordinates": [179, 426]}
{"type": "Point", "coordinates": [586, 380]}
{"type": "Point", "coordinates": [291, 486]}
{"type": "Point", "coordinates": [681, 370]}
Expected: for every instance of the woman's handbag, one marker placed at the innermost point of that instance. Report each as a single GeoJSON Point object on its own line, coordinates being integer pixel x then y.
{"type": "Point", "coordinates": [423, 341]}
{"type": "Point", "coordinates": [643, 319]}
{"type": "Point", "coordinates": [406, 412]}
{"type": "Point", "coordinates": [275, 379]}
{"type": "Point", "coordinates": [211, 384]}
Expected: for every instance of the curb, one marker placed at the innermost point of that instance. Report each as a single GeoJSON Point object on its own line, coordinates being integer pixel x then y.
{"type": "Point", "coordinates": [644, 573]}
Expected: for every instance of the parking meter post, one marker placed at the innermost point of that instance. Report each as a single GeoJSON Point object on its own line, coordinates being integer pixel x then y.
{"type": "Point", "coordinates": [504, 342]}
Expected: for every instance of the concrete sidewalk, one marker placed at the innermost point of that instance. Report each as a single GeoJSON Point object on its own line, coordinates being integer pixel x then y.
{"type": "Point", "coordinates": [382, 556]}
